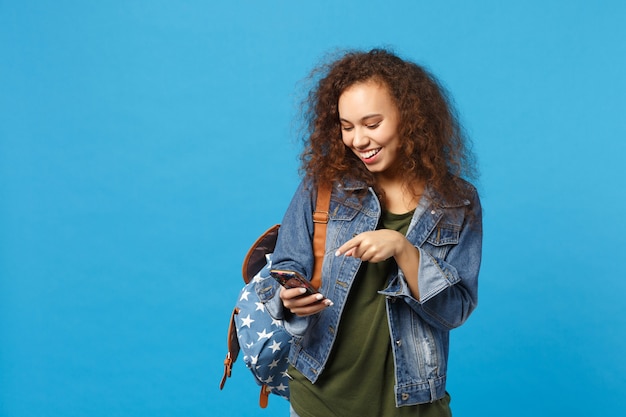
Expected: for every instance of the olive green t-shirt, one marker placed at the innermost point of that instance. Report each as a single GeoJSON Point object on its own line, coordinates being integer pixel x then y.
{"type": "Point", "coordinates": [359, 377]}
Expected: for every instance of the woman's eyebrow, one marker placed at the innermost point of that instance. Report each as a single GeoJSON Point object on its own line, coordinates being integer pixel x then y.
{"type": "Point", "coordinates": [371, 116]}
{"type": "Point", "coordinates": [364, 118]}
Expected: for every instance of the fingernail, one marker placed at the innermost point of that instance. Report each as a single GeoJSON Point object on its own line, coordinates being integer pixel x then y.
{"type": "Point", "coordinates": [319, 297]}
{"type": "Point", "coordinates": [329, 303]}
{"type": "Point", "coordinates": [302, 290]}
{"type": "Point", "coordinates": [337, 253]}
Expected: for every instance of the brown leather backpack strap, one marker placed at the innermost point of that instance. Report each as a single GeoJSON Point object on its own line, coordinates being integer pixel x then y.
{"type": "Point", "coordinates": [264, 396]}
{"type": "Point", "coordinates": [233, 348]}
{"type": "Point", "coordinates": [320, 220]}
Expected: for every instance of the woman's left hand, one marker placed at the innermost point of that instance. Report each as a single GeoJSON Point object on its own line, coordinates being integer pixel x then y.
{"type": "Point", "coordinates": [375, 246]}
{"type": "Point", "coordinates": [378, 245]}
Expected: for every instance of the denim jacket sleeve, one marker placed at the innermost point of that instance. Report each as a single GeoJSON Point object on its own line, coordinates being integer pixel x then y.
{"type": "Point", "coordinates": [293, 252]}
{"type": "Point", "coordinates": [448, 283]}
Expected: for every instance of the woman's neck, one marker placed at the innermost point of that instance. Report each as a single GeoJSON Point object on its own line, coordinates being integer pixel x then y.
{"type": "Point", "coordinates": [399, 196]}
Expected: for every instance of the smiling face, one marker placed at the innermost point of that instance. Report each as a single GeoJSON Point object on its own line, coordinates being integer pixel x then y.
{"type": "Point", "coordinates": [369, 126]}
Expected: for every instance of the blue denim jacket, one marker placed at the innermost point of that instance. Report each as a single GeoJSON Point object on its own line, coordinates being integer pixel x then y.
{"type": "Point", "coordinates": [449, 241]}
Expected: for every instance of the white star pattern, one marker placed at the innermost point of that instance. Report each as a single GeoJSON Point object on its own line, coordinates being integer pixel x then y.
{"type": "Point", "coordinates": [281, 387]}
{"type": "Point", "coordinates": [264, 334]}
{"type": "Point", "coordinates": [259, 307]}
{"type": "Point", "coordinates": [275, 346]}
{"type": "Point", "coordinates": [244, 295]}
{"type": "Point", "coordinates": [277, 323]}
{"type": "Point", "coordinates": [246, 321]}
{"type": "Point", "coordinates": [273, 364]}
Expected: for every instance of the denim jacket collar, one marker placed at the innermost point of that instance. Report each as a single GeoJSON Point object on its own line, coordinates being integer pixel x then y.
{"type": "Point", "coordinates": [435, 197]}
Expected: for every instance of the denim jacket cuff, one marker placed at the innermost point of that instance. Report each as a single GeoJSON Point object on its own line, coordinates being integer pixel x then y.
{"type": "Point", "coordinates": [268, 291]}
{"type": "Point", "coordinates": [434, 276]}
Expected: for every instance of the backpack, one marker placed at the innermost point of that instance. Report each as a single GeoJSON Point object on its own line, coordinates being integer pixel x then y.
{"type": "Point", "coordinates": [264, 341]}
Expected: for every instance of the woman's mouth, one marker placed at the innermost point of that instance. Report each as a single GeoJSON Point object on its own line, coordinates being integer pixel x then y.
{"type": "Point", "coordinates": [369, 155]}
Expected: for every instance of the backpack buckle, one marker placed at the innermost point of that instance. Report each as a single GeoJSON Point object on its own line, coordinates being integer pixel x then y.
{"type": "Point", "coordinates": [320, 217]}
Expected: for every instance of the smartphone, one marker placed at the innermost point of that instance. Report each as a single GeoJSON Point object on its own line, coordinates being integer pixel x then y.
{"type": "Point", "coordinates": [292, 279]}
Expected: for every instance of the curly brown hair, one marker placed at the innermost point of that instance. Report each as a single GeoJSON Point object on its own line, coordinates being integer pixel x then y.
{"type": "Point", "coordinates": [434, 147]}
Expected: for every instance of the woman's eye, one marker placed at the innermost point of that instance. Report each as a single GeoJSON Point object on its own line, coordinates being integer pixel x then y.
{"type": "Point", "coordinates": [347, 128]}
{"type": "Point", "coordinates": [373, 125]}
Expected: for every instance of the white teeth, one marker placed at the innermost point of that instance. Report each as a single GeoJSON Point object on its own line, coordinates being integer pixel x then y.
{"type": "Point", "coordinates": [369, 154]}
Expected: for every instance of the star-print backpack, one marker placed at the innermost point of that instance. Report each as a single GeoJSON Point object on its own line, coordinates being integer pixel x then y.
{"type": "Point", "coordinates": [264, 341]}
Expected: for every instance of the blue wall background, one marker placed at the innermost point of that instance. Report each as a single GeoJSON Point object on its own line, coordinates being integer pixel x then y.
{"type": "Point", "coordinates": [145, 144]}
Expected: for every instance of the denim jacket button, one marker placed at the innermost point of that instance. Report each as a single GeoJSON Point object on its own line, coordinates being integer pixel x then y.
{"type": "Point", "coordinates": [398, 342]}
{"type": "Point", "coordinates": [405, 396]}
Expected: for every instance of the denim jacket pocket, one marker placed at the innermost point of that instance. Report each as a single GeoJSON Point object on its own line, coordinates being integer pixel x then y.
{"type": "Point", "coordinates": [442, 238]}
{"type": "Point", "coordinates": [344, 213]}
{"type": "Point", "coordinates": [266, 289]}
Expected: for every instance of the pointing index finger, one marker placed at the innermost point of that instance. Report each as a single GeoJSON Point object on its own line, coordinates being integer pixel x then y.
{"type": "Point", "coordinates": [348, 248]}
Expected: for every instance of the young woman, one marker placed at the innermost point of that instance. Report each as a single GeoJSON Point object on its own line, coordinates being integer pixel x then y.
{"type": "Point", "coordinates": [403, 243]}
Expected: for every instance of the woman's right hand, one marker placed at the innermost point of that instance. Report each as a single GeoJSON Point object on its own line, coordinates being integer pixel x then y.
{"type": "Point", "coordinates": [302, 305]}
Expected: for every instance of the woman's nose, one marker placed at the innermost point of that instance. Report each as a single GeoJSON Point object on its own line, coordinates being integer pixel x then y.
{"type": "Point", "coordinates": [361, 139]}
